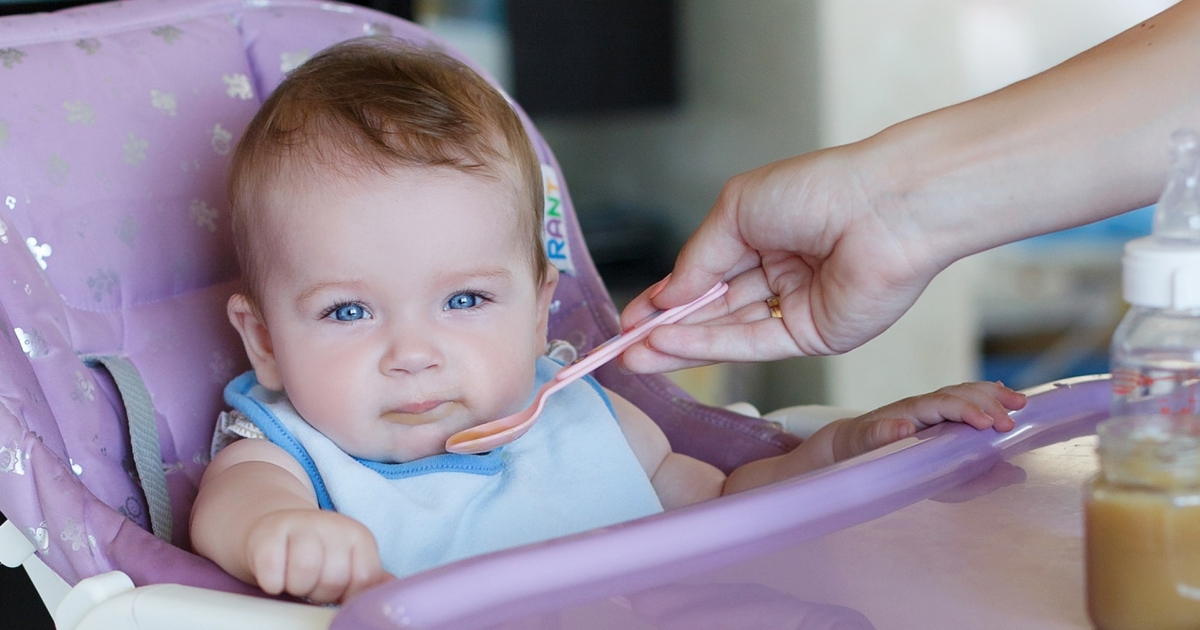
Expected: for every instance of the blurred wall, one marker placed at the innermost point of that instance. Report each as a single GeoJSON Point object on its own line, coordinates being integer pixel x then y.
{"type": "Point", "coordinates": [749, 95]}
{"type": "Point", "coordinates": [767, 79]}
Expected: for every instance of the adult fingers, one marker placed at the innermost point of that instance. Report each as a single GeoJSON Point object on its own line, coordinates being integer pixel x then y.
{"type": "Point", "coordinates": [697, 270]}
{"type": "Point", "coordinates": [709, 254]}
{"type": "Point", "coordinates": [642, 306]}
{"type": "Point", "coordinates": [744, 302]}
{"type": "Point", "coordinates": [649, 302]}
{"type": "Point", "coordinates": [642, 359]}
{"type": "Point", "coordinates": [763, 340]}
{"type": "Point", "coordinates": [716, 251]}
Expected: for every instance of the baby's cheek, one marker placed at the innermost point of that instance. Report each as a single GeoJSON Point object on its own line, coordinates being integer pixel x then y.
{"type": "Point", "coordinates": [318, 409]}
{"type": "Point", "coordinates": [319, 394]}
{"type": "Point", "coordinates": [514, 390]}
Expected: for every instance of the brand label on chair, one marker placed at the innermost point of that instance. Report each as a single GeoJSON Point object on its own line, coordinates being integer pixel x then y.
{"type": "Point", "coordinates": [554, 225]}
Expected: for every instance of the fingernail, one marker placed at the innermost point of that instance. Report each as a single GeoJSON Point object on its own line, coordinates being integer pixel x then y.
{"type": "Point", "coordinates": [621, 366]}
{"type": "Point", "coordinates": [659, 286]}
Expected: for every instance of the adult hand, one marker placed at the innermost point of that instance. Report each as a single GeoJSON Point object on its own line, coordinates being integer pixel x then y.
{"type": "Point", "coordinates": [813, 230]}
{"type": "Point", "coordinates": [848, 237]}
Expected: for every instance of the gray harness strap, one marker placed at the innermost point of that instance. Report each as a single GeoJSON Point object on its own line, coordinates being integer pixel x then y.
{"type": "Point", "coordinates": [143, 438]}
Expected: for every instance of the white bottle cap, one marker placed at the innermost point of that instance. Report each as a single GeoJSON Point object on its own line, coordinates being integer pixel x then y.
{"type": "Point", "coordinates": [1161, 274]}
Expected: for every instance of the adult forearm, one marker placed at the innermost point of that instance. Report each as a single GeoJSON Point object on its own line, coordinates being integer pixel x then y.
{"type": "Point", "coordinates": [1080, 142]}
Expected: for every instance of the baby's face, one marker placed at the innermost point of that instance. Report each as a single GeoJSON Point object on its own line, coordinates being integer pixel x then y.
{"type": "Point", "coordinates": [401, 308]}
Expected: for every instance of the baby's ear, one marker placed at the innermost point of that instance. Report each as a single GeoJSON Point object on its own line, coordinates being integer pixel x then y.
{"type": "Point", "coordinates": [544, 297]}
{"type": "Point", "coordinates": [257, 339]}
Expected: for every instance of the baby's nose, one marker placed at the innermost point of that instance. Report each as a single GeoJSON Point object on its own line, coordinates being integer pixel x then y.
{"type": "Point", "coordinates": [410, 351]}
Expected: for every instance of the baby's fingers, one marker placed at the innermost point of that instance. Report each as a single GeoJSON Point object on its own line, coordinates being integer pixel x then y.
{"type": "Point", "coordinates": [306, 560]}
{"type": "Point", "coordinates": [268, 563]}
{"type": "Point", "coordinates": [957, 408]}
{"type": "Point", "coordinates": [992, 400]}
{"type": "Point", "coordinates": [988, 391]}
{"type": "Point", "coordinates": [937, 407]}
{"type": "Point", "coordinates": [349, 563]}
{"type": "Point", "coordinates": [332, 578]}
{"type": "Point", "coordinates": [365, 572]}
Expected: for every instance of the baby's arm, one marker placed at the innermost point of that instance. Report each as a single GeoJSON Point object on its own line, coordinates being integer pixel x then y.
{"type": "Point", "coordinates": [979, 404]}
{"type": "Point", "coordinates": [678, 480]}
{"type": "Point", "coordinates": [256, 516]}
{"type": "Point", "coordinates": [681, 480]}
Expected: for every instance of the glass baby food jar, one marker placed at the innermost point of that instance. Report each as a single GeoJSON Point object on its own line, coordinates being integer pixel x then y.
{"type": "Point", "coordinates": [1142, 524]}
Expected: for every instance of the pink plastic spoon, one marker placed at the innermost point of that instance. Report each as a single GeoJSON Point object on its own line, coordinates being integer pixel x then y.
{"type": "Point", "coordinates": [490, 435]}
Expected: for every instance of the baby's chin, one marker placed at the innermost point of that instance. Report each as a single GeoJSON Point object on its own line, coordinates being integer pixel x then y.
{"type": "Point", "coordinates": [397, 438]}
{"type": "Point", "coordinates": [413, 442]}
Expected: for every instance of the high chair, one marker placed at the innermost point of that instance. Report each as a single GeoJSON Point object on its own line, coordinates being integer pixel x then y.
{"type": "Point", "coordinates": [117, 122]}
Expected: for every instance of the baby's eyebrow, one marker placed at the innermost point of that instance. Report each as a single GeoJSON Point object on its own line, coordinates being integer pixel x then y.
{"type": "Point", "coordinates": [499, 273]}
{"type": "Point", "coordinates": [322, 286]}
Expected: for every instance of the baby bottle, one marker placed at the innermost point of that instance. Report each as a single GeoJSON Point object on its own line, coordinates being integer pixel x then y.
{"type": "Point", "coordinates": [1155, 354]}
{"type": "Point", "coordinates": [1142, 511]}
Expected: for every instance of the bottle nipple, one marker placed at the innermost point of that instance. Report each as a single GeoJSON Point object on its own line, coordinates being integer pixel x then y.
{"type": "Point", "coordinates": [1177, 217]}
{"type": "Point", "coordinates": [1163, 270]}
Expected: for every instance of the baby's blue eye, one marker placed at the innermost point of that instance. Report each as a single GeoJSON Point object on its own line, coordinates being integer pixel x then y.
{"type": "Point", "coordinates": [349, 313]}
{"type": "Point", "coordinates": [464, 300]}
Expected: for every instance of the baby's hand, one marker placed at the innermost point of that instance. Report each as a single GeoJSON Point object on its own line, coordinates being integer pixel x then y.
{"type": "Point", "coordinates": [979, 404]}
{"type": "Point", "coordinates": [323, 556]}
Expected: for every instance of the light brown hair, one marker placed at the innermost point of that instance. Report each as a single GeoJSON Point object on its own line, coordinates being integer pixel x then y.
{"type": "Point", "coordinates": [379, 104]}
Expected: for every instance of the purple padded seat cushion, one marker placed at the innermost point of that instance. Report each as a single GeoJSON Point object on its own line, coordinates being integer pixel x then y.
{"type": "Point", "coordinates": [116, 125]}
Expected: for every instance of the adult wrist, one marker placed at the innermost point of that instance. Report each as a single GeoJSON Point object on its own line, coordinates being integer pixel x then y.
{"type": "Point", "coordinates": [977, 175]}
{"type": "Point", "coordinates": [901, 171]}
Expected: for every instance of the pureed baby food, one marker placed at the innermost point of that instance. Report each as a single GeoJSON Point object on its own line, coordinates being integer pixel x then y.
{"type": "Point", "coordinates": [1142, 522]}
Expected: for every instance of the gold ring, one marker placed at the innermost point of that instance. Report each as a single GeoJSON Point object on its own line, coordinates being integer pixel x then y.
{"type": "Point", "coordinates": [773, 304]}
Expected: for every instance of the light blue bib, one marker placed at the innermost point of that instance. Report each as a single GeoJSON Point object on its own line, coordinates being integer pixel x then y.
{"type": "Point", "coordinates": [571, 472]}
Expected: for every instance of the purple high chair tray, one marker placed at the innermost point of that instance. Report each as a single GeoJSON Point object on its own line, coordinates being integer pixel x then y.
{"type": "Point", "coordinates": [997, 545]}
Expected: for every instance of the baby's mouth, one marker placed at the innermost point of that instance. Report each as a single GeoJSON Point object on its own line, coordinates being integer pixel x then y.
{"type": "Point", "coordinates": [419, 413]}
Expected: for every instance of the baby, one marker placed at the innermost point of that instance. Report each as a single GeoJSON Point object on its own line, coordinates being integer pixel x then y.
{"type": "Point", "coordinates": [387, 209]}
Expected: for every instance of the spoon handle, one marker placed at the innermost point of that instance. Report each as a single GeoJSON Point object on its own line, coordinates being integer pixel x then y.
{"type": "Point", "coordinates": [608, 350]}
